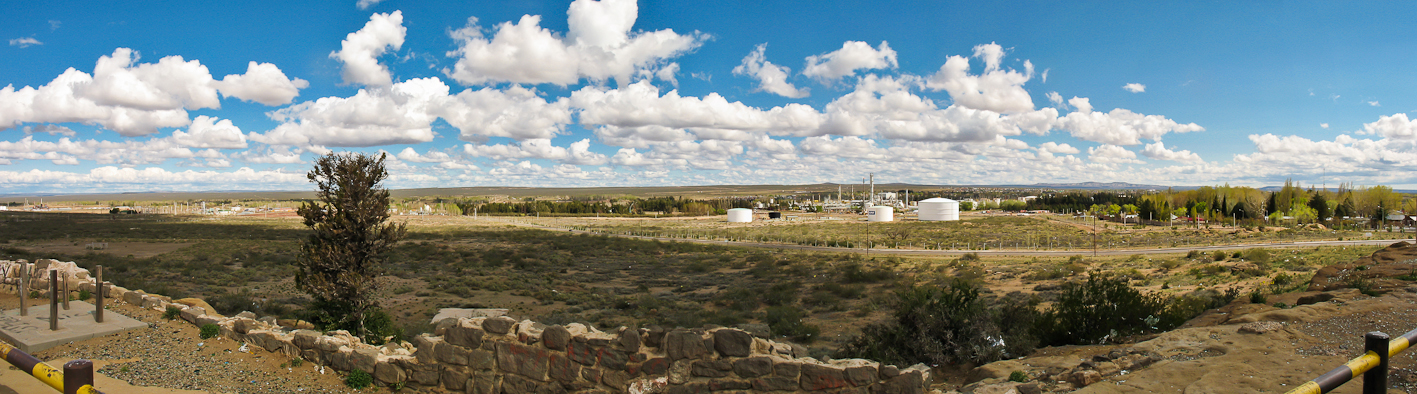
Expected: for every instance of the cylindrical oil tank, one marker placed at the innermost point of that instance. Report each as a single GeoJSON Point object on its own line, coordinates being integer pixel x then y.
{"type": "Point", "coordinates": [937, 209]}
{"type": "Point", "coordinates": [880, 214]}
{"type": "Point", "coordinates": [740, 215]}
{"type": "Point", "coordinates": [774, 215]}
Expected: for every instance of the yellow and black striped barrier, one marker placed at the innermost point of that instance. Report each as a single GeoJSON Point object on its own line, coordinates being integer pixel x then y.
{"type": "Point", "coordinates": [79, 378]}
{"type": "Point", "coordinates": [1372, 365]}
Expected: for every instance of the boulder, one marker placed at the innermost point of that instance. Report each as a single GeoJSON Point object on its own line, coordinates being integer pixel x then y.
{"type": "Point", "coordinates": [556, 337]}
{"type": "Point", "coordinates": [681, 344]}
{"type": "Point", "coordinates": [389, 372]}
{"type": "Point", "coordinates": [499, 325]}
{"type": "Point", "coordinates": [732, 343]}
{"type": "Point", "coordinates": [752, 367]}
{"type": "Point", "coordinates": [191, 313]}
{"type": "Point", "coordinates": [464, 334]}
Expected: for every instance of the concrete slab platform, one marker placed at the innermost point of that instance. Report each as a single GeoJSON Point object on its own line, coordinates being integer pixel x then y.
{"type": "Point", "coordinates": [31, 333]}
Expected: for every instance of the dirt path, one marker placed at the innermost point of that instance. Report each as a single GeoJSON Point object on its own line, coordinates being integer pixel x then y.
{"type": "Point", "coordinates": [996, 252]}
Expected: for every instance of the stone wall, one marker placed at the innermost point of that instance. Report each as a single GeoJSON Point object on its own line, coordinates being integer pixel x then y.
{"type": "Point", "coordinates": [487, 353]}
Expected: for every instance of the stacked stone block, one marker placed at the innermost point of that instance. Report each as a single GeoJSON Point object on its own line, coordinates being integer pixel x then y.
{"type": "Point", "coordinates": [488, 355]}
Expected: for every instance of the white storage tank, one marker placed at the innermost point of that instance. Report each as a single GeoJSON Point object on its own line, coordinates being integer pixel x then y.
{"type": "Point", "coordinates": [740, 215]}
{"type": "Point", "coordinates": [880, 214]}
{"type": "Point", "coordinates": [937, 209]}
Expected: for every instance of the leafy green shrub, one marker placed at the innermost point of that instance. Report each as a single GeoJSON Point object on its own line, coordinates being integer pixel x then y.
{"type": "Point", "coordinates": [171, 313]}
{"type": "Point", "coordinates": [1258, 255]}
{"type": "Point", "coordinates": [1193, 254]}
{"type": "Point", "coordinates": [1218, 255]}
{"type": "Point", "coordinates": [209, 330]}
{"type": "Point", "coordinates": [85, 295]}
{"type": "Point", "coordinates": [854, 273]}
{"type": "Point", "coordinates": [1258, 298]}
{"type": "Point", "coordinates": [1100, 309]}
{"type": "Point", "coordinates": [358, 379]}
{"type": "Point", "coordinates": [947, 325]}
{"type": "Point", "coordinates": [1018, 376]}
{"type": "Point", "coordinates": [1168, 264]}
{"type": "Point", "coordinates": [786, 321]}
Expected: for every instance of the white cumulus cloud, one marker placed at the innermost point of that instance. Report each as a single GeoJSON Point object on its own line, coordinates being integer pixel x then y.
{"type": "Point", "coordinates": [853, 55]}
{"type": "Point", "coordinates": [1134, 87]}
{"type": "Point", "coordinates": [771, 78]}
{"type": "Point", "coordinates": [1159, 151]}
{"type": "Point", "coordinates": [1107, 153]}
{"type": "Point", "coordinates": [995, 89]}
{"type": "Point", "coordinates": [361, 49]}
{"type": "Point", "coordinates": [598, 45]}
{"type": "Point", "coordinates": [1395, 126]}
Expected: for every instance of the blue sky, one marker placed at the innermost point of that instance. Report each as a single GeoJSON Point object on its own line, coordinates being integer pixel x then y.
{"type": "Point", "coordinates": [101, 97]}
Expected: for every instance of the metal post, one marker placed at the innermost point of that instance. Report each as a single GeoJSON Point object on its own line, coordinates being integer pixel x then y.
{"type": "Point", "coordinates": [65, 291]}
{"type": "Point", "coordinates": [24, 290]}
{"type": "Point", "coordinates": [53, 300]}
{"type": "Point", "coordinates": [1375, 380]}
{"type": "Point", "coordinates": [77, 374]}
{"type": "Point", "coordinates": [98, 301]}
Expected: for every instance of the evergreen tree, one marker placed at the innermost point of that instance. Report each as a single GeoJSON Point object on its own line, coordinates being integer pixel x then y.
{"type": "Point", "coordinates": [1271, 206]}
{"type": "Point", "coordinates": [340, 260]}
{"type": "Point", "coordinates": [1320, 206]}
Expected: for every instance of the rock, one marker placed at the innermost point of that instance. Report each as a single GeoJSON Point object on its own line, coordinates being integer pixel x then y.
{"type": "Point", "coordinates": [613, 359]}
{"type": "Point", "coordinates": [479, 359]}
{"type": "Point", "coordinates": [305, 339]}
{"type": "Point", "coordinates": [905, 383]}
{"type": "Point", "coordinates": [774, 383]}
{"type": "Point", "coordinates": [451, 354]}
{"type": "Point", "coordinates": [555, 337]}
{"type": "Point", "coordinates": [1313, 299]}
{"type": "Point", "coordinates": [454, 378]}
{"type": "Point", "coordinates": [498, 325]}
{"type": "Point", "coordinates": [387, 372]}
{"type": "Point", "coordinates": [134, 297]}
{"type": "Point", "coordinates": [711, 368]}
{"type": "Point", "coordinates": [523, 360]}
{"type": "Point", "coordinates": [243, 326]}
{"type": "Point", "coordinates": [616, 379]}
{"type": "Point", "coordinates": [732, 343]}
{"type": "Point", "coordinates": [818, 377]}
{"type": "Point", "coordinates": [1261, 327]}
{"type": "Point", "coordinates": [1030, 388]}
{"type": "Point", "coordinates": [191, 313]}
{"type": "Point", "coordinates": [364, 359]}
{"type": "Point", "coordinates": [787, 370]}
{"type": "Point", "coordinates": [655, 366]}
{"type": "Point", "coordinates": [485, 382]}
{"type": "Point", "coordinates": [629, 340]}
{"type": "Point", "coordinates": [994, 388]}
{"type": "Point", "coordinates": [581, 352]}
{"type": "Point", "coordinates": [681, 344]}
{"type": "Point", "coordinates": [691, 388]}
{"type": "Point", "coordinates": [465, 335]}
{"type": "Point", "coordinates": [861, 376]}
{"type": "Point", "coordinates": [655, 336]}
{"type": "Point", "coordinates": [244, 314]}
{"type": "Point", "coordinates": [889, 371]}
{"type": "Point", "coordinates": [729, 384]}
{"type": "Point", "coordinates": [752, 367]}
{"type": "Point", "coordinates": [756, 329]}
{"type": "Point", "coordinates": [590, 375]}
{"type": "Point", "coordinates": [562, 368]}
{"type": "Point", "coordinates": [424, 374]}
{"type": "Point", "coordinates": [427, 348]}
{"type": "Point", "coordinates": [679, 371]}
{"type": "Point", "coordinates": [1084, 378]}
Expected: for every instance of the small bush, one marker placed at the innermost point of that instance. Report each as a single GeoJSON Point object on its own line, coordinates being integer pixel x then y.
{"type": "Point", "coordinates": [295, 362]}
{"type": "Point", "coordinates": [1018, 376]}
{"type": "Point", "coordinates": [1218, 256]}
{"type": "Point", "coordinates": [358, 379]}
{"type": "Point", "coordinates": [171, 313]}
{"type": "Point", "coordinates": [210, 331]}
{"type": "Point", "coordinates": [1193, 254]}
{"type": "Point", "coordinates": [1100, 309]}
{"type": "Point", "coordinates": [949, 325]}
{"type": "Point", "coordinates": [786, 321]}
{"type": "Point", "coordinates": [85, 295]}
{"type": "Point", "coordinates": [1258, 255]}
{"type": "Point", "coordinates": [1258, 298]}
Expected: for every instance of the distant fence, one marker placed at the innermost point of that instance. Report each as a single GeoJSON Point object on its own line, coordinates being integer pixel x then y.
{"type": "Point", "coordinates": [1372, 365]}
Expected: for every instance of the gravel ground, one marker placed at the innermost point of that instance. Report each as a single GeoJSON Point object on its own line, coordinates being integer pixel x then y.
{"type": "Point", "coordinates": [170, 354]}
{"type": "Point", "coordinates": [1342, 336]}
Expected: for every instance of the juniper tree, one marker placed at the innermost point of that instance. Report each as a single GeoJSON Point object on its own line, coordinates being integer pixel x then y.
{"type": "Point", "coordinates": [351, 236]}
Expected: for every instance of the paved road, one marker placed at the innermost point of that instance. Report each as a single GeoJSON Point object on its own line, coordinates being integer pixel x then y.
{"type": "Point", "coordinates": [992, 252]}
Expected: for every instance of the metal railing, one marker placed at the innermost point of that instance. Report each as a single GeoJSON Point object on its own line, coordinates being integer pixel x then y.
{"type": "Point", "coordinates": [1372, 365]}
{"type": "Point", "coordinates": [76, 378]}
